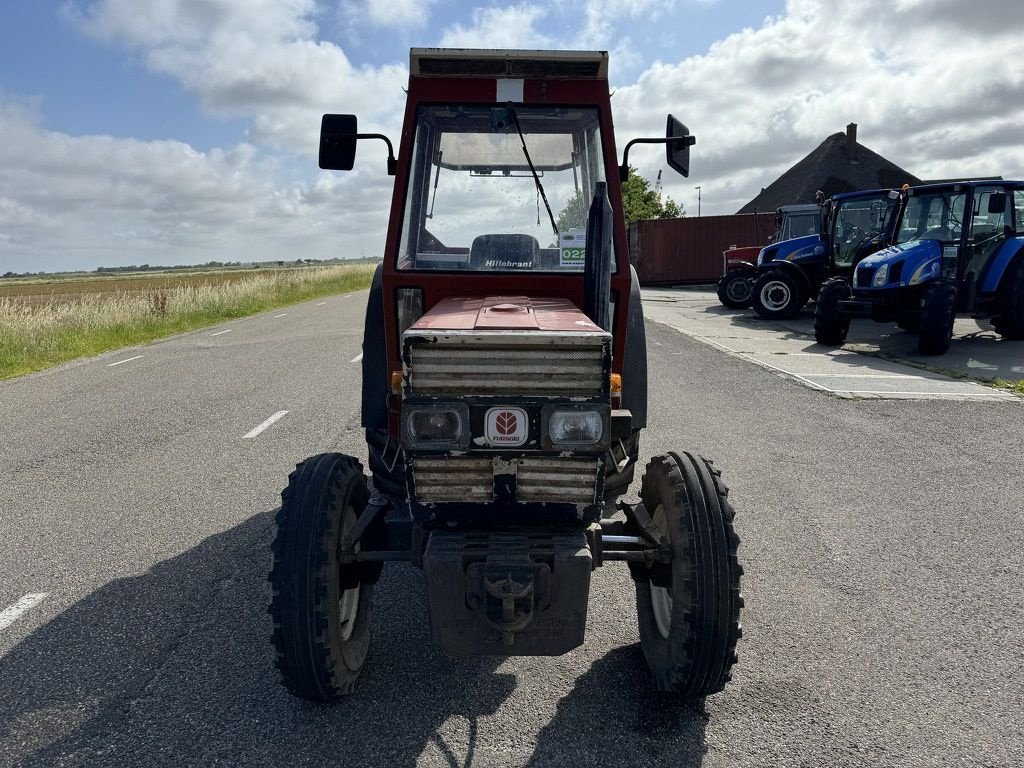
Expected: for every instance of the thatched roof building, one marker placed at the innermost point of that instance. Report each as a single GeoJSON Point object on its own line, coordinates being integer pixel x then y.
{"type": "Point", "coordinates": [839, 164]}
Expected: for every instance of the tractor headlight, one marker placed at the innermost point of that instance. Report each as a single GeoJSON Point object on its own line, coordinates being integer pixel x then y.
{"type": "Point", "coordinates": [881, 276]}
{"type": "Point", "coordinates": [575, 426]}
{"type": "Point", "coordinates": [436, 426]}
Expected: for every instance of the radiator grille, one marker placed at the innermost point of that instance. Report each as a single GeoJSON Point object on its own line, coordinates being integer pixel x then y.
{"type": "Point", "coordinates": [541, 479]}
{"type": "Point", "coordinates": [557, 479]}
{"type": "Point", "coordinates": [864, 277]}
{"type": "Point", "coordinates": [458, 478]}
{"type": "Point", "coordinates": [444, 368]}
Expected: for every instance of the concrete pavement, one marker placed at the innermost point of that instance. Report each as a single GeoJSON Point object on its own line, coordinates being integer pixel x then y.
{"type": "Point", "coordinates": [880, 541]}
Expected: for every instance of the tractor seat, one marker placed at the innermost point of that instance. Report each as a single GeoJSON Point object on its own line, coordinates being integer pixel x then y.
{"type": "Point", "coordinates": [502, 252]}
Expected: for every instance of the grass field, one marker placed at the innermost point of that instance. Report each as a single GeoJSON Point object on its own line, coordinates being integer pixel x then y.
{"type": "Point", "coordinates": [48, 322]}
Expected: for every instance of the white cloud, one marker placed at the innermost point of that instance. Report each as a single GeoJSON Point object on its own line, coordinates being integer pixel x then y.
{"type": "Point", "coordinates": [510, 27]}
{"type": "Point", "coordinates": [929, 83]}
{"type": "Point", "coordinates": [398, 13]}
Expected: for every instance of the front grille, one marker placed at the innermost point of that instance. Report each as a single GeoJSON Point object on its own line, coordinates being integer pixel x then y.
{"type": "Point", "coordinates": [470, 479]}
{"type": "Point", "coordinates": [458, 478]}
{"type": "Point", "coordinates": [864, 277]}
{"type": "Point", "coordinates": [557, 479]}
{"type": "Point", "coordinates": [486, 367]}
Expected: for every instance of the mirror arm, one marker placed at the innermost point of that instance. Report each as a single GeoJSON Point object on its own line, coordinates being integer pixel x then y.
{"type": "Point", "coordinates": [392, 163]}
{"type": "Point", "coordinates": [624, 168]}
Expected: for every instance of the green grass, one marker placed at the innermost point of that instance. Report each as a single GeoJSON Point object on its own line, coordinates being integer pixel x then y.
{"type": "Point", "coordinates": [36, 336]}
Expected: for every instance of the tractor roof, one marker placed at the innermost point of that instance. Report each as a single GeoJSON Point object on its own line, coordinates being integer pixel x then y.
{"type": "Point", "coordinates": [996, 181]}
{"type": "Point", "coordinates": [472, 62]}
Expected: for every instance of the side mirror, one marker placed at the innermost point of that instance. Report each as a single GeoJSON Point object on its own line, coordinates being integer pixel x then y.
{"type": "Point", "coordinates": [338, 137]}
{"type": "Point", "coordinates": [997, 202]}
{"type": "Point", "coordinates": [677, 149]}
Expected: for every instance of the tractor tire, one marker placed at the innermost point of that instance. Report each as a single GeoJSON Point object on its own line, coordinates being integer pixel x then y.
{"type": "Point", "coordinates": [689, 611]}
{"type": "Point", "coordinates": [1009, 323]}
{"type": "Point", "coordinates": [617, 483]}
{"type": "Point", "coordinates": [938, 311]}
{"type": "Point", "coordinates": [778, 295]}
{"type": "Point", "coordinates": [736, 288]}
{"type": "Point", "coordinates": [910, 324]}
{"type": "Point", "coordinates": [830, 325]}
{"type": "Point", "coordinates": [321, 609]}
{"type": "Point", "coordinates": [388, 470]}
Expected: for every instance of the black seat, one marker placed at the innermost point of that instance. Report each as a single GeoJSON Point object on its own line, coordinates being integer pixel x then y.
{"type": "Point", "coordinates": [501, 252]}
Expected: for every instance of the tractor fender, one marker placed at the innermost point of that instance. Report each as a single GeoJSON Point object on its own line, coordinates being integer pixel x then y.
{"type": "Point", "coordinates": [1000, 264]}
{"type": "Point", "coordinates": [375, 360]}
{"type": "Point", "coordinates": [634, 363]}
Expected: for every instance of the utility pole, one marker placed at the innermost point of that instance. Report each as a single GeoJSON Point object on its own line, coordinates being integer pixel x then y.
{"type": "Point", "coordinates": [698, 201]}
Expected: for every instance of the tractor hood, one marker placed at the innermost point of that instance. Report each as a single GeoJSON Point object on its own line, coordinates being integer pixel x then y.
{"type": "Point", "coordinates": [509, 313]}
{"type": "Point", "coordinates": [788, 250]}
{"type": "Point", "coordinates": [905, 264]}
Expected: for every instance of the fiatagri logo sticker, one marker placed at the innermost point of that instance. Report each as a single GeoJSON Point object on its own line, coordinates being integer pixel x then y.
{"type": "Point", "coordinates": [506, 427]}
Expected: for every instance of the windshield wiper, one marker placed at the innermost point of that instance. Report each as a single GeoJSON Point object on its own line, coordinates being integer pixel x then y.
{"type": "Point", "coordinates": [536, 178]}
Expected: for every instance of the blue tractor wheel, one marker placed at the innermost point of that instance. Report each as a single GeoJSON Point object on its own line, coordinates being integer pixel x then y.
{"type": "Point", "coordinates": [1010, 321]}
{"type": "Point", "coordinates": [938, 310]}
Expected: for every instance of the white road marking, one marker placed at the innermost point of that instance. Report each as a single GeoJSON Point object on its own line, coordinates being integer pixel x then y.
{"type": "Point", "coordinates": [866, 375]}
{"type": "Point", "coordinates": [221, 333]}
{"type": "Point", "coordinates": [12, 613]}
{"type": "Point", "coordinates": [321, 303]}
{"type": "Point", "coordinates": [281, 315]}
{"type": "Point", "coordinates": [119, 362]}
{"type": "Point", "coordinates": [357, 358]}
{"type": "Point", "coordinates": [256, 430]}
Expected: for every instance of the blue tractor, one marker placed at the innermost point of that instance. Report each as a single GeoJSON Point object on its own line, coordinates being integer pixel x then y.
{"type": "Point", "coordinates": [959, 247]}
{"type": "Point", "coordinates": [853, 225]}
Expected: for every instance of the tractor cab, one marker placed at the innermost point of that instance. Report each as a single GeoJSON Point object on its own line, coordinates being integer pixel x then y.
{"type": "Point", "coordinates": [957, 247]}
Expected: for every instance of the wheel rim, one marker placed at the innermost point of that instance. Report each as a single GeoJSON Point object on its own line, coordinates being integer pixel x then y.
{"type": "Point", "coordinates": [738, 289]}
{"type": "Point", "coordinates": [661, 598]}
{"type": "Point", "coordinates": [776, 295]}
{"type": "Point", "coordinates": [348, 601]}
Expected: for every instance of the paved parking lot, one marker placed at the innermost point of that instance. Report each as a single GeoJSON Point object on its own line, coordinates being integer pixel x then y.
{"type": "Point", "coordinates": [879, 360]}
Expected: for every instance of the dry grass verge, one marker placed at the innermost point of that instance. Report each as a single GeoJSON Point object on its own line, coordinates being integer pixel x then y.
{"type": "Point", "coordinates": [34, 336]}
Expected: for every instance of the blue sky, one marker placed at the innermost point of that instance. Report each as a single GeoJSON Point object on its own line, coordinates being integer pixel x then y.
{"type": "Point", "coordinates": [178, 131]}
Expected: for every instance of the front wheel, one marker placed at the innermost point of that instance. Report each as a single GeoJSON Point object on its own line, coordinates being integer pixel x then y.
{"type": "Point", "coordinates": [938, 310]}
{"type": "Point", "coordinates": [778, 295]}
{"type": "Point", "coordinates": [736, 288]}
{"type": "Point", "coordinates": [1009, 323]}
{"type": "Point", "coordinates": [831, 326]}
{"type": "Point", "coordinates": [321, 608]}
{"type": "Point", "coordinates": [689, 611]}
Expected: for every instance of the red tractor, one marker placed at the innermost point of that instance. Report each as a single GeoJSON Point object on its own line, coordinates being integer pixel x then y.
{"type": "Point", "coordinates": [504, 392]}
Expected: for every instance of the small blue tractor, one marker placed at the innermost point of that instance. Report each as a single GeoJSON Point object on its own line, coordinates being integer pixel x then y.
{"type": "Point", "coordinates": [959, 247]}
{"type": "Point", "coordinates": [736, 285]}
{"type": "Point", "coordinates": [791, 272]}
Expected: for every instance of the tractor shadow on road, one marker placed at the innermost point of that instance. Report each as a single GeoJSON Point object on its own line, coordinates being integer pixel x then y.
{"type": "Point", "coordinates": [613, 716]}
{"type": "Point", "coordinates": [174, 667]}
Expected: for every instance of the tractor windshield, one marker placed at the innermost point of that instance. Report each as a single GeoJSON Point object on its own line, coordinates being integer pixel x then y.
{"type": "Point", "coordinates": [856, 223]}
{"type": "Point", "coordinates": [476, 195]}
{"type": "Point", "coordinates": [932, 216]}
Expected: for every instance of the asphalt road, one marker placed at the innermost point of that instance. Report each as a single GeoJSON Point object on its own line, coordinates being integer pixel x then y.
{"type": "Point", "coordinates": [880, 539]}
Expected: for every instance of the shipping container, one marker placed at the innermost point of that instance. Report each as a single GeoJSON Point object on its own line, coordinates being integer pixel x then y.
{"type": "Point", "coordinates": [689, 250]}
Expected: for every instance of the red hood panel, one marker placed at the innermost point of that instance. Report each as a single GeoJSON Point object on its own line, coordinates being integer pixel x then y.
{"type": "Point", "coordinates": [493, 313]}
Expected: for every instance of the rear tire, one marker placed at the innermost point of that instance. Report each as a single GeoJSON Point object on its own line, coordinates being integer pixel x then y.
{"type": "Point", "coordinates": [321, 609]}
{"type": "Point", "coordinates": [778, 295]}
{"type": "Point", "coordinates": [1009, 323]}
{"type": "Point", "coordinates": [736, 288]}
{"type": "Point", "coordinates": [938, 310]}
{"type": "Point", "coordinates": [830, 325]}
{"type": "Point", "coordinates": [689, 611]}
